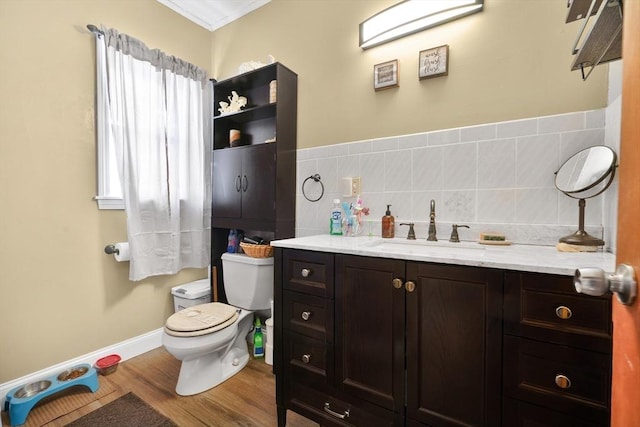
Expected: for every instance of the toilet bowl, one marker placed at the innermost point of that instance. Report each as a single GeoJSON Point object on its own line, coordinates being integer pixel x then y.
{"type": "Point", "coordinates": [210, 339]}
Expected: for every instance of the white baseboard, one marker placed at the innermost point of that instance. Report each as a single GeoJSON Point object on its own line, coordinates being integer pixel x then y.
{"type": "Point", "coordinates": [125, 349]}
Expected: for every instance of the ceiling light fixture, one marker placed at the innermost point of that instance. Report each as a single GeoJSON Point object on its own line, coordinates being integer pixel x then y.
{"type": "Point", "coordinates": [411, 16]}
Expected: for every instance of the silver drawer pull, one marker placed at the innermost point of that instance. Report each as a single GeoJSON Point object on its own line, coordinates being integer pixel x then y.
{"type": "Point", "coordinates": [305, 315]}
{"type": "Point", "coordinates": [563, 381]}
{"type": "Point", "coordinates": [563, 312]}
{"type": "Point", "coordinates": [305, 272]}
{"type": "Point", "coordinates": [328, 410]}
{"type": "Point", "coordinates": [306, 358]}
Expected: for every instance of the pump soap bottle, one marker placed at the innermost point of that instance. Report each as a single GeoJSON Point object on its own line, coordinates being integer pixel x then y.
{"type": "Point", "coordinates": [388, 224]}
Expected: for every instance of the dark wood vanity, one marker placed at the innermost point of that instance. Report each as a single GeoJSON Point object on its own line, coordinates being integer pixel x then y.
{"type": "Point", "coordinates": [368, 341]}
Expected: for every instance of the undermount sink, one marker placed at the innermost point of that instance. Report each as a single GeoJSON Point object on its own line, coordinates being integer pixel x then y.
{"type": "Point", "coordinates": [425, 246]}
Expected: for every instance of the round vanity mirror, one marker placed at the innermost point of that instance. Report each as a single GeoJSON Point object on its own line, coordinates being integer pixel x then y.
{"type": "Point", "coordinates": [586, 174]}
{"type": "Point", "coordinates": [585, 170]}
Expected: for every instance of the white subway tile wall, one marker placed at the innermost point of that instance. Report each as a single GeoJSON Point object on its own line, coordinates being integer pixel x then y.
{"type": "Point", "coordinates": [492, 177]}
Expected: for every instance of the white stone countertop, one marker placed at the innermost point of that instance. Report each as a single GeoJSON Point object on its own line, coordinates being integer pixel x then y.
{"type": "Point", "coordinates": [542, 259]}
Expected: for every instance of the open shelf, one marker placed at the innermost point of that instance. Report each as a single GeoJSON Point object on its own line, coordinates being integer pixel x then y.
{"type": "Point", "coordinates": [603, 42]}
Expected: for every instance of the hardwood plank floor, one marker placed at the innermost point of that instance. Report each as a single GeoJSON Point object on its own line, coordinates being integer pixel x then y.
{"type": "Point", "coordinates": [247, 399]}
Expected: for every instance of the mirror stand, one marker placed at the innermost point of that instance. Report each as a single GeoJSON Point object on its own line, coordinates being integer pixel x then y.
{"type": "Point", "coordinates": [584, 176]}
{"type": "Point", "coordinates": [581, 237]}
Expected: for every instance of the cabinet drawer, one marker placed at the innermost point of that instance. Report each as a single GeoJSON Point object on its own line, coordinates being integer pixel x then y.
{"type": "Point", "coordinates": [567, 379]}
{"type": "Point", "coordinates": [308, 315]}
{"type": "Point", "coordinates": [521, 414]}
{"type": "Point", "coordinates": [307, 358]}
{"type": "Point", "coordinates": [328, 409]}
{"type": "Point", "coordinates": [546, 307]}
{"type": "Point", "coordinates": [309, 272]}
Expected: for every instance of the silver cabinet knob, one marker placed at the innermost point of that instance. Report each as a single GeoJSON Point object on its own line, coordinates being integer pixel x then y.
{"type": "Point", "coordinates": [563, 381]}
{"type": "Point", "coordinates": [593, 281]}
{"type": "Point", "coordinates": [306, 358]}
{"type": "Point", "coordinates": [563, 312]}
{"type": "Point", "coordinates": [305, 315]}
{"type": "Point", "coordinates": [305, 272]}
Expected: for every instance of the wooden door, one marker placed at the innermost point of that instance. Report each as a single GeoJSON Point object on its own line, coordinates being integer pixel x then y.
{"type": "Point", "coordinates": [454, 335]}
{"type": "Point", "coordinates": [369, 330]}
{"type": "Point", "coordinates": [625, 398]}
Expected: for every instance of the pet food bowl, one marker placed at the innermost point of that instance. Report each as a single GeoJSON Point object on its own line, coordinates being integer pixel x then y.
{"type": "Point", "coordinates": [72, 374]}
{"type": "Point", "coordinates": [108, 364]}
{"type": "Point", "coordinates": [19, 401]}
{"type": "Point", "coordinates": [32, 389]}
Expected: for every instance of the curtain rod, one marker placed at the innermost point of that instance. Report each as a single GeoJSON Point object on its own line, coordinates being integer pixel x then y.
{"type": "Point", "coordinates": [94, 29]}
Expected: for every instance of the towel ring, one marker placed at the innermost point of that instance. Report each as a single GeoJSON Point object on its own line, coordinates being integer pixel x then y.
{"type": "Point", "coordinates": [316, 178]}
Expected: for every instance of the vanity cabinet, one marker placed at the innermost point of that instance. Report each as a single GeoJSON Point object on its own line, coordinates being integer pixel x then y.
{"type": "Point", "coordinates": [557, 353]}
{"type": "Point", "coordinates": [386, 342]}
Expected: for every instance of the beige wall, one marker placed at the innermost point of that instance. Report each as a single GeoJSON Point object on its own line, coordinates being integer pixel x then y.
{"type": "Point", "coordinates": [61, 296]}
{"type": "Point", "coordinates": [508, 62]}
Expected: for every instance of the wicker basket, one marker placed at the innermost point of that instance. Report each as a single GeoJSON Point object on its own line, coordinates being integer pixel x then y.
{"type": "Point", "coordinates": [257, 251]}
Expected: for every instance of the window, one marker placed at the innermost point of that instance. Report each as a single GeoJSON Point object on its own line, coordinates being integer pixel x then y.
{"type": "Point", "coordinates": [152, 114]}
{"type": "Point", "coordinates": [109, 186]}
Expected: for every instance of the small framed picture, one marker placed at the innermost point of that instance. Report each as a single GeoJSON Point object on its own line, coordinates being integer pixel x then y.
{"type": "Point", "coordinates": [385, 75]}
{"type": "Point", "coordinates": [433, 62]}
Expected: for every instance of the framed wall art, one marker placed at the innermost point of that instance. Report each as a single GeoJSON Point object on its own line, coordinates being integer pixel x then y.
{"type": "Point", "coordinates": [433, 62]}
{"type": "Point", "coordinates": [385, 75]}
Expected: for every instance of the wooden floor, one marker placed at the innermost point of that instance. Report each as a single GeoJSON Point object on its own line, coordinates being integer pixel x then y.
{"type": "Point", "coordinates": [246, 399]}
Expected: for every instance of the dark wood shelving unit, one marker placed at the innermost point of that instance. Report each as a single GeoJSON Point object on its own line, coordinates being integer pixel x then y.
{"type": "Point", "coordinates": [253, 184]}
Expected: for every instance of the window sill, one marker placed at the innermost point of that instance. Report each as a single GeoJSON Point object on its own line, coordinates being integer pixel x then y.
{"type": "Point", "coordinates": [110, 203]}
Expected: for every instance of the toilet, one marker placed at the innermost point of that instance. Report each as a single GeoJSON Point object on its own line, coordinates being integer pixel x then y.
{"type": "Point", "coordinates": [210, 339]}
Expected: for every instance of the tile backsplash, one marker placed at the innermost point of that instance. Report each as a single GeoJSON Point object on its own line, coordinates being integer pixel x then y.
{"type": "Point", "coordinates": [492, 177]}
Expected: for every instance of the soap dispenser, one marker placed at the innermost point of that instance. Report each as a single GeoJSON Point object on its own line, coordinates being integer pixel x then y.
{"type": "Point", "coordinates": [388, 224]}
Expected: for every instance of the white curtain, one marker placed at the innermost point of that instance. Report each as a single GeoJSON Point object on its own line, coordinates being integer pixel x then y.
{"type": "Point", "coordinates": [158, 114]}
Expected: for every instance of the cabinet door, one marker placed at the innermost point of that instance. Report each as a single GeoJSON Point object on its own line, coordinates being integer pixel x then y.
{"type": "Point", "coordinates": [227, 183]}
{"type": "Point", "coordinates": [258, 182]}
{"type": "Point", "coordinates": [454, 333]}
{"type": "Point", "coordinates": [244, 183]}
{"type": "Point", "coordinates": [369, 330]}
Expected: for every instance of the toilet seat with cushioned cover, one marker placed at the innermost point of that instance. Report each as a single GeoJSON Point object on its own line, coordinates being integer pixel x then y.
{"type": "Point", "coordinates": [201, 319]}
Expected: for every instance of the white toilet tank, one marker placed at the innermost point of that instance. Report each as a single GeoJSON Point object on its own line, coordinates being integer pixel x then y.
{"type": "Point", "coordinates": [248, 282]}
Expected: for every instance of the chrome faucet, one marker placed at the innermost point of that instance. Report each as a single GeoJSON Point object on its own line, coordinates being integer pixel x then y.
{"type": "Point", "coordinates": [432, 222]}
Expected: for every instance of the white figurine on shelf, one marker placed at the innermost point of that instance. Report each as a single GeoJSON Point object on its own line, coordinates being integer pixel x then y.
{"type": "Point", "coordinates": [245, 67]}
{"type": "Point", "coordinates": [224, 107]}
{"type": "Point", "coordinates": [236, 103]}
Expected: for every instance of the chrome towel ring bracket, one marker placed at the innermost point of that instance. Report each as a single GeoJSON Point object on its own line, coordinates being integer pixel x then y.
{"type": "Point", "coordinates": [315, 178]}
